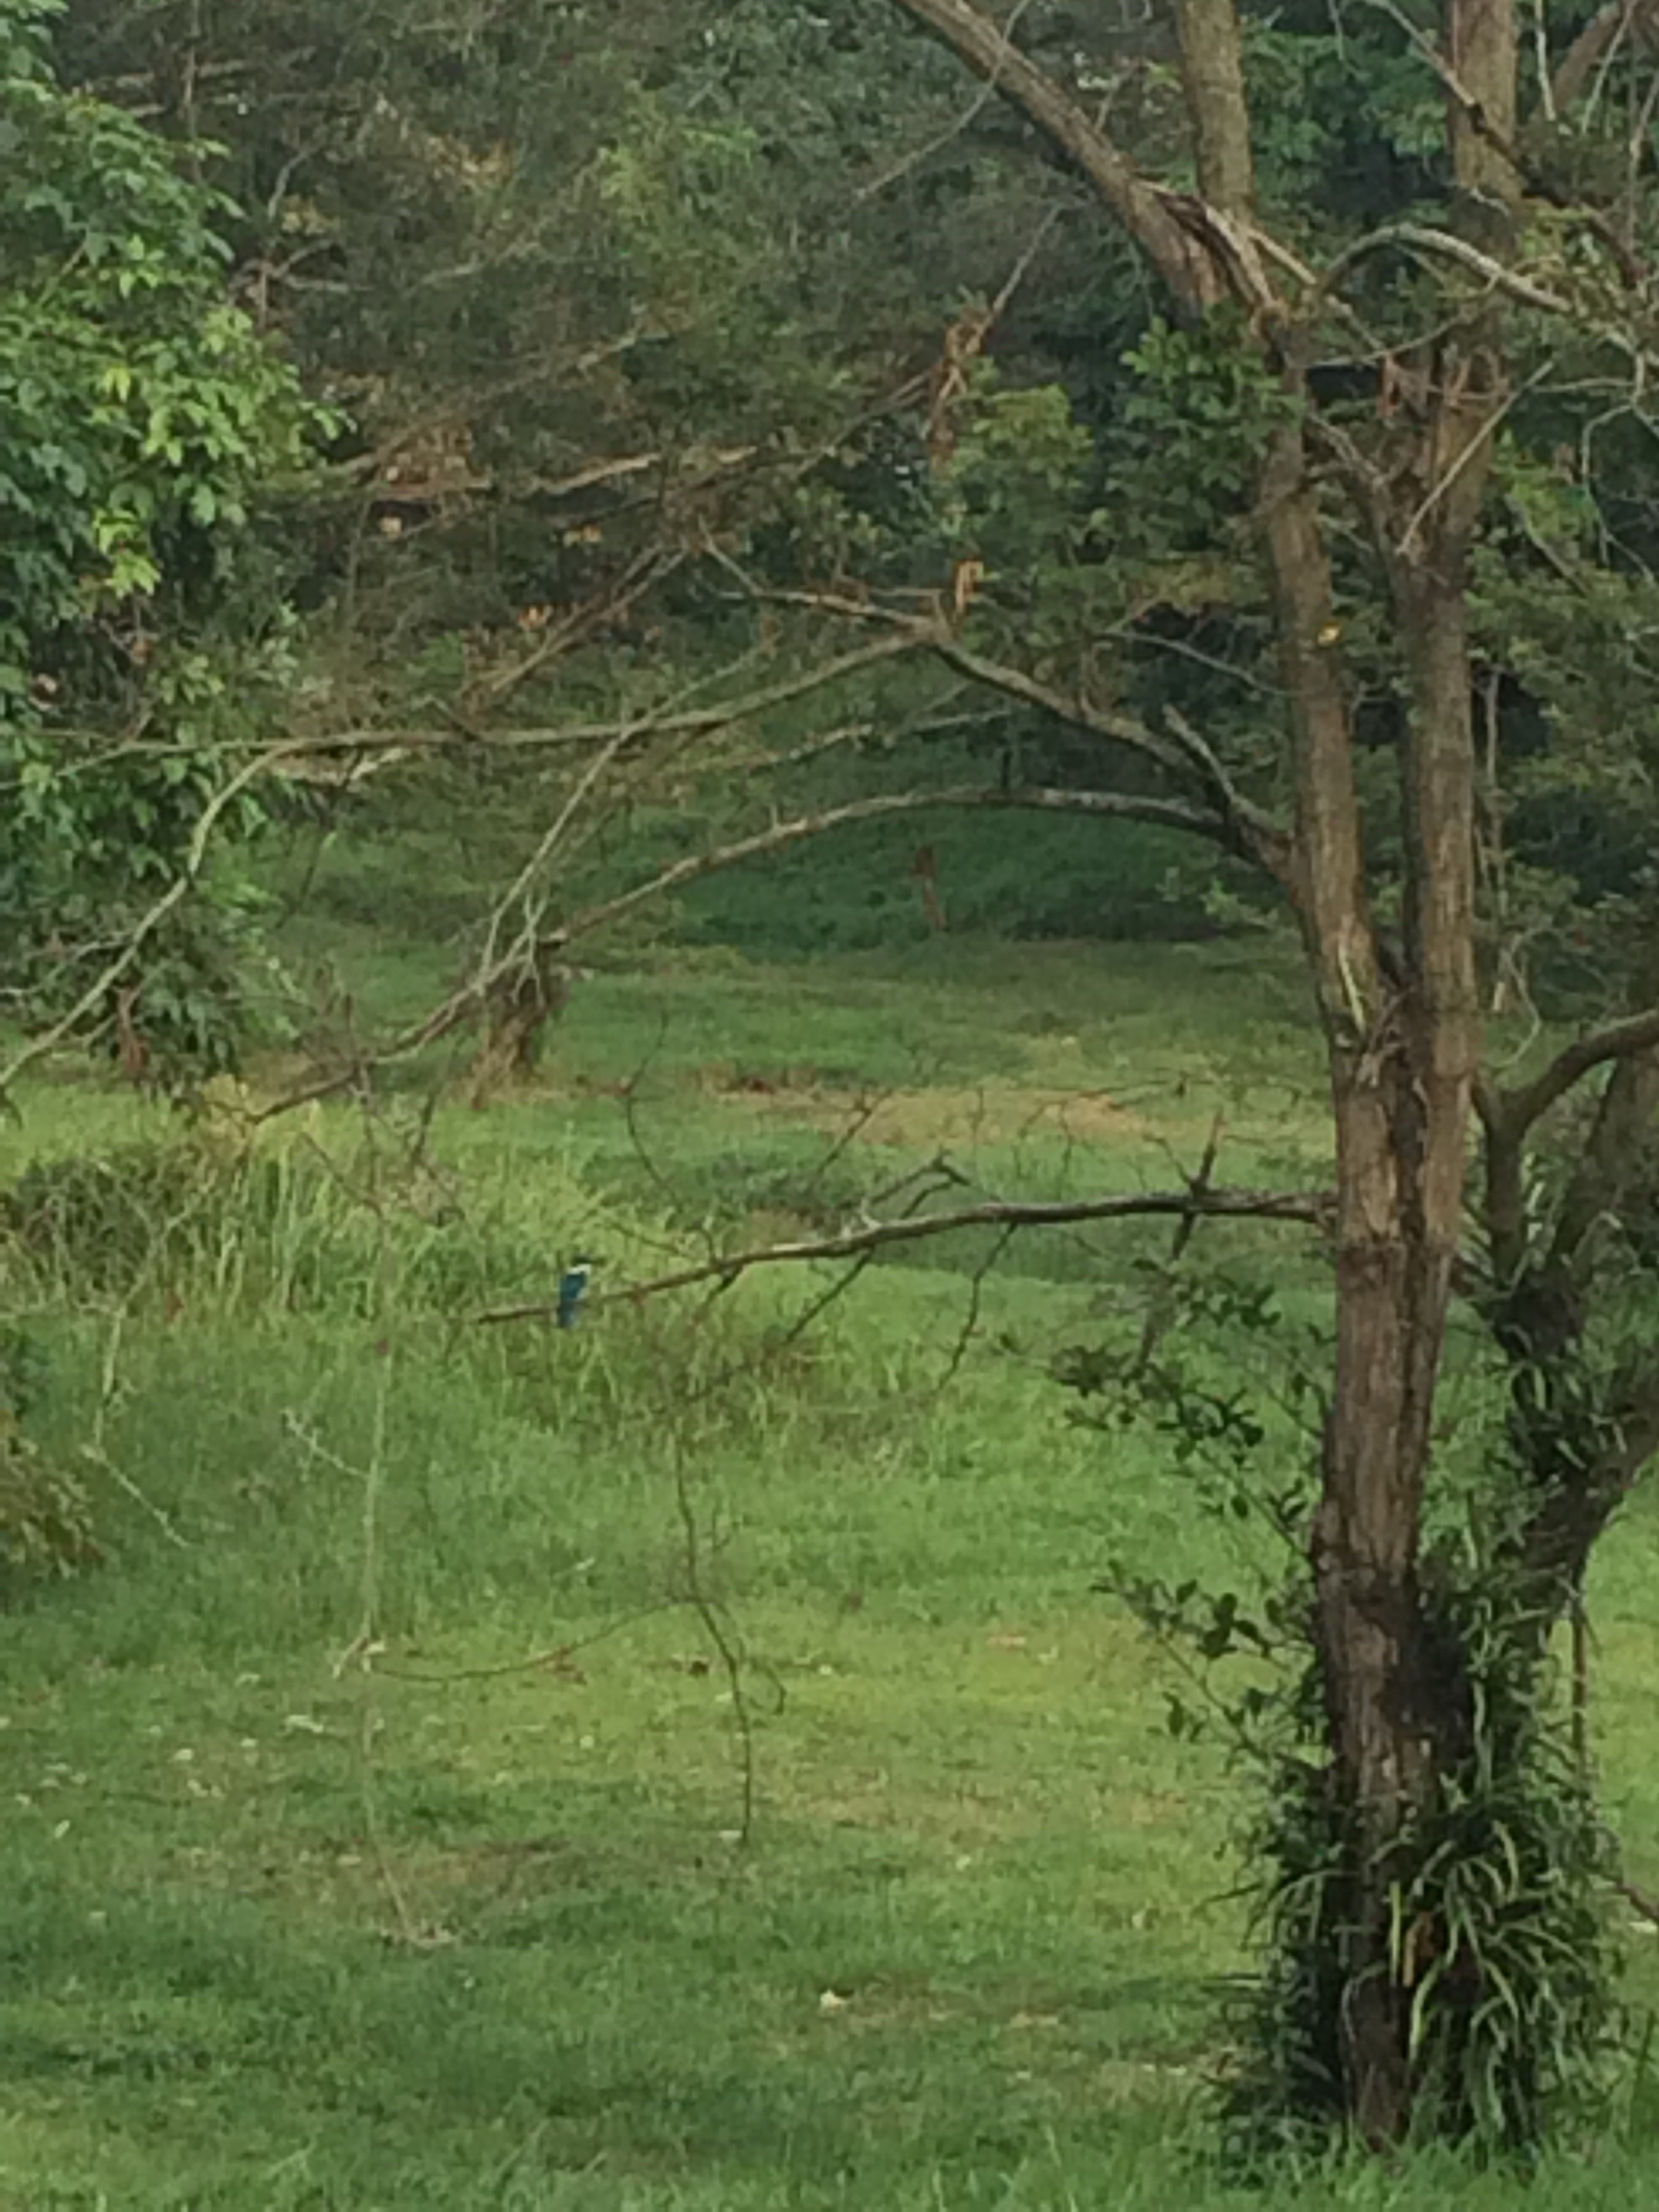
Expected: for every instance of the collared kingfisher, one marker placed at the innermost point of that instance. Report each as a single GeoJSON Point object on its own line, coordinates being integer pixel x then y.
{"type": "Point", "coordinates": [572, 1288]}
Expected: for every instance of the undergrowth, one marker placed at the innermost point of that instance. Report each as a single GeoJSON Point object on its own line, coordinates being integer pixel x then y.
{"type": "Point", "coordinates": [1501, 1964]}
{"type": "Point", "coordinates": [1501, 1945]}
{"type": "Point", "coordinates": [973, 1956]}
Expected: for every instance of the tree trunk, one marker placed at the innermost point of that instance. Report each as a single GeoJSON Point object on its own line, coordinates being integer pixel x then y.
{"type": "Point", "coordinates": [517, 1008]}
{"type": "Point", "coordinates": [1402, 1036]}
{"type": "Point", "coordinates": [1402, 1108]}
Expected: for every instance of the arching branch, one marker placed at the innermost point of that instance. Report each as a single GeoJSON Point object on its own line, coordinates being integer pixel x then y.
{"type": "Point", "coordinates": [1252, 835]}
{"type": "Point", "coordinates": [1179, 751]}
{"type": "Point", "coordinates": [1421, 238]}
{"type": "Point", "coordinates": [1104, 805]}
{"type": "Point", "coordinates": [1517, 1110]}
{"type": "Point", "coordinates": [1182, 256]}
{"type": "Point", "coordinates": [462, 1005]}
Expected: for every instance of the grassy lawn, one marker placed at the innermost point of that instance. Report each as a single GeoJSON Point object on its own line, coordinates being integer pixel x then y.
{"type": "Point", "coordinates": [683, 1764]}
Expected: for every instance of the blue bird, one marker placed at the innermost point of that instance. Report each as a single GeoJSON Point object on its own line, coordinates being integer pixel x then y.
{"type": "Point", "coordinates": [572, 1289]}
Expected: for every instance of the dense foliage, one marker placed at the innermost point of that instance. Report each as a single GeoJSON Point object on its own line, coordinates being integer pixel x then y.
{"type": "Point", "coordinates": [141, 418]}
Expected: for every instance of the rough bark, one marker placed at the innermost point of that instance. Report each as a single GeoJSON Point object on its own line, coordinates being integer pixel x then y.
{"type": "Point", "coordinates": [1212, 81]}
{"type": "Point", "coordinates": [1402, 1035]}
{"type": "Point", "coordinates": [1480, 40]}
{"type": "Point", "coordinates": [1401, 1102]}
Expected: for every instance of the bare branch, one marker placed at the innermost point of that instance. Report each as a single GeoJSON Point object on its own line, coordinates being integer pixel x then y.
{"type": "Point", "coordinates": [1183, 255]}
{"type": "Point", "coordinates": [463, 1005]}
{"type": "Point", "coordinates": [524, 947]}
{"type": "Point", "coordinates": [1160, 1304]}
{"type": "Point", "coordinates": [1473, 451]}
{"type": "Point", "coordinates": [595, 473]}
{"type": "Point", "coordinates": [1595, 44]}
{"type": "Point", "coordinates": [1308, 1209]}
{"type": "Point", "coordinates": [1064, 707]}
{"type": "Point", "coordinates": [1253, 834]}
{"type": "Point", "coordinates": [1419, 238]}
{"type": "Point", "coordinates": [697, 721]}
{"type": "Point", "coordinates": [1520, 1109]}
{"type": "Point", "coordinates": [1118, 806]}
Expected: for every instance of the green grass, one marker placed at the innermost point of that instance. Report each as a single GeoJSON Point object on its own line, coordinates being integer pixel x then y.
{"type": "Point", "coordinates": [462, 1921]}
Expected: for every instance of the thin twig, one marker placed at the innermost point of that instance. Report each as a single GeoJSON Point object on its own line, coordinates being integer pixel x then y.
{"type": "Point", "coordinates": [726, 1644]}
{"type": "Point", "coordinates": [964, 1335]}
{"type": "Point", "coordinates": [537, 1662]}
{"type": "Point", "coordinates": [1158, 1307]}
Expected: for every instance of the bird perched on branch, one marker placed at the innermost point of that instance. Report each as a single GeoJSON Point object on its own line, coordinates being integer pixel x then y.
{"type": "Point", "coordinates": [572, 1289]}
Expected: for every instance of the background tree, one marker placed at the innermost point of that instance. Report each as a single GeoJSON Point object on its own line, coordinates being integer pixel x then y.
{"type": "Point", "coordinates": [597, 298]}
{"type": "Point", "coordinates": [141, 419]}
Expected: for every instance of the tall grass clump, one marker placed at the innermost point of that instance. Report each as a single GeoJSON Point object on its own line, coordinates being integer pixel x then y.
{"type": "Point", "coordinates": [230, 1335]}
{"type": "Point", "coordinates": [1500, 1940]}
{"type": "Point", "coordinates": [1500, 1959]}
{"type": "Point", "coordinates": [299, 1226]}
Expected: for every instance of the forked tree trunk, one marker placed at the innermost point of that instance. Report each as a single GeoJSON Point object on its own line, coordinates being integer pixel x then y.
{"type": "Point", "coordinates": [1402, 1104]}
{"type": "Point", "coordinates": [1402, 1035]}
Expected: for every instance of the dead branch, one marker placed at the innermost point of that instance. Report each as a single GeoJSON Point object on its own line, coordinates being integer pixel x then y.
{"type": "Point", "coordinates": [1310, 1208]}
{"type": "Point", "coordinates": [1112, 806]}
{"type": "Point", "coordinates": [701, 721]}
{"type": "Point", "coordinates": [1253, 834]}
{"type": "Point", "coordinates": [1420, 238]}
